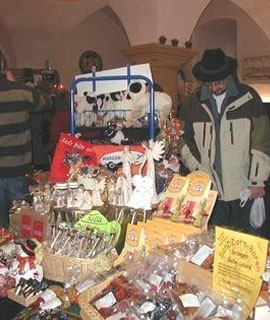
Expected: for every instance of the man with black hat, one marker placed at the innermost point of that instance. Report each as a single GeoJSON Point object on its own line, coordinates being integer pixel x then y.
{"type": "Point", "coordinates": [227, 135]}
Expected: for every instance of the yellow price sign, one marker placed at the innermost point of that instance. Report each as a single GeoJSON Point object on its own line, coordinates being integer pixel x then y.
{"type": "Point", "coordinates": [238, 266]}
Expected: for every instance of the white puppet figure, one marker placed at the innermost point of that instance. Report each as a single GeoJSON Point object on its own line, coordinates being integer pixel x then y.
{"type": "Point", "coordinates": [28, 262]}
{"type": "Point", "coordinates": [97, 192]}
{"type": "Point", "coordinates": [83, 199]}
{"type": "Point", "coordinates": [81, 105]}
{"type": "Point", "coordinates": [112, 191]}
{"type": "Point", "coordinates": [142, 195]}
{"type": "Point", "coordinates": [127, 161]}
{"type": "Point", "coordinates": [153, 152]}
{"type": "Point", "coordinates": [90, 182]}
{"type": "Point", "coordinates": [140, 98]}
{"type": "Point", "coordinates": [87, 201]}
{"type": "Point", "coordinates": [79, 198]}
{"type": "Point", "coordinates": [123, 189]}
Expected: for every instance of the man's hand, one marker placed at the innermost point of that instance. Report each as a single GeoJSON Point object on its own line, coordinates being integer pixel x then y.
{"type": "Point", "coordinates": [256, 192]}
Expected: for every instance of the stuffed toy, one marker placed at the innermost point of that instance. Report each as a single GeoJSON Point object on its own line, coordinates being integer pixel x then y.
{"type": "Point", "coordinates": [91, 109]}
{"type": "Point", "coordinates": [140, 98]}
{"type": "Point", "coordinates": [27, 263]}
{"type": "Point", "coordinates": [115, 134]}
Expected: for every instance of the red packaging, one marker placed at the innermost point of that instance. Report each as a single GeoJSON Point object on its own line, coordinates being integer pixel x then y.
{"type": "Point", "coordinates": [26, 225]}
{"type": "Point", "coordinates": [33, 224]}
{"type": "Point", "coordinates": [66, 145]}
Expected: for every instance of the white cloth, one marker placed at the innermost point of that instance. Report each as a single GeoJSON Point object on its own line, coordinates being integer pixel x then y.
{"type": "Point", "coordinates": [219, 99]}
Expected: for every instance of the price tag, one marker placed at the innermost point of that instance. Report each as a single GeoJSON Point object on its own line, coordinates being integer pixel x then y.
{"type": "Point", "coordinates": [262, 313]}
{"type": "Point", "coordinates": [201, 255]}
{"type": "Point", "coordinates": [190, 300]}
{"type": "Point", "coordinates": [106, 302]}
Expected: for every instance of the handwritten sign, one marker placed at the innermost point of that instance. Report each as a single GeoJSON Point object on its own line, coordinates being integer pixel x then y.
{"type": "Point", "coordinates": [95, 220]}
{"type": "Point", "coordinates": [239, 264]}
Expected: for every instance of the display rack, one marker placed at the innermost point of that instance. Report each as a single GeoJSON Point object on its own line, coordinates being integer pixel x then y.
{"type": "Point", "coordinates": [128, 77]}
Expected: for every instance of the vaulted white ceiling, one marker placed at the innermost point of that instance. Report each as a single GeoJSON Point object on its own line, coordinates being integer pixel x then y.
{"type": "Point", "coordinates": [31, 27]}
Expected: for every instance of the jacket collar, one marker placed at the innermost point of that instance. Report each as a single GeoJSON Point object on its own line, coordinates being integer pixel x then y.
{"type": "Point", "coordinates": [206, 94]}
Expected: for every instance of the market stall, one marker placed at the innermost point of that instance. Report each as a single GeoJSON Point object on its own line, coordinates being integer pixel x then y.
{"type": "Point", "coordinates": [116, 231]}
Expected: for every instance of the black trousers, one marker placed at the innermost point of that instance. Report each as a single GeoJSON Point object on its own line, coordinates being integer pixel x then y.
{"type": "Point", "coordinates": [230, 214]}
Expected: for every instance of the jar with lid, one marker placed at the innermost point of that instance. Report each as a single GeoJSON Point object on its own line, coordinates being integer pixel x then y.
{"type": "Point", "coordinates": [59, 195]}
{"type": "Point", "coordinates": [72, 193]}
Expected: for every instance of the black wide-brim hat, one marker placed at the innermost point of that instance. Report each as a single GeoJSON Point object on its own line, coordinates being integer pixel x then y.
{"type": "Point", "coordinates": [214, 66]}
{"type": "Point", "coordinates": [29, 247]}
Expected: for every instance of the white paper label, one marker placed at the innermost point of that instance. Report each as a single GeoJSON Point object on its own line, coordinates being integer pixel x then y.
{"type": "Point", "coordinates": [117, 316]}
{"type": "Point", "coordinates": [47, 295]}
{"type": "Point", "coordinates": [201, 255]}
{"type": "Point", "coordinates": [266, 276]}
{"type": "Point", "coordinates": [143, 285]}
{"type": "Point", "coordinates": [207, 307]}
{"type": "Point", "coordinates": [262, 313]}
{"type": "Point", "coordinates": [221, 312]}
{"type": "Point", "coordinates": [51, 304]}
{"type": "Point", "coordinates": [169, 277]}
{"type": "Point", "coordinates": [106, 302]}
{"type": "Point", "coordinates": [155, 279]}
{"type": "Point", "coordinates": [146, 307]}
{"type": "Point", "coordinates": [190, 300]}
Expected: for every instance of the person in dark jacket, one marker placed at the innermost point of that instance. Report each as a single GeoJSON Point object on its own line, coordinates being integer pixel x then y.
{"type": "Point", "coordinates": [16, 102]}
{"type": "Point", "coordinates": [60, 120]}
{"type": "Point", "coordinates": [227, 135]}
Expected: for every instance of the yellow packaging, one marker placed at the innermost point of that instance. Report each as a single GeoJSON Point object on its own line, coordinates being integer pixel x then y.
{"type": "Point", "coordinates": [174, 196]}
{"type": "Point", "coordinates": [193, 205]}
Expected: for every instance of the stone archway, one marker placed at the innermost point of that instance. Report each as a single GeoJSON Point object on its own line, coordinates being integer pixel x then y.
{"type": "Point", "coordinates": [101, 31]}
{"type": "Point", "coordinates": [224, 24]}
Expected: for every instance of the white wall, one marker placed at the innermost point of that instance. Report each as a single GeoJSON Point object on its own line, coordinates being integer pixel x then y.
{"type": "Point", "coordinates": [225, 25]}
{"type": "Point", "coordinates": [250, 37]}
{"type": "Point", "coordinates": [99, 32]}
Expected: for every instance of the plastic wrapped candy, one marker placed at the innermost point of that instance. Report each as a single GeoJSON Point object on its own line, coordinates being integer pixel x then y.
{"type": "Point", "coordinates": [197, 249]}
{"type": "Point", "coordinates": [197, 304]}
{"type": "Point", "coordinates": [141, 292]}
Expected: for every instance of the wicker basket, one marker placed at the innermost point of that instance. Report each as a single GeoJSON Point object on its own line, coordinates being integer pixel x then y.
{"type": "Point", "coordinates": [87, 310]}
{"type": "Point", "coordinates": [56, 266]}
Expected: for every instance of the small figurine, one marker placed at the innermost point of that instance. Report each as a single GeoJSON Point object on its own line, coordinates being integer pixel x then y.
{"type": "Point", "coordinates": [124, 190]}
{"type": "Point", "coordinates": [28, 262]}
{"type": "Point", "coordinates": [153, 152]}
{"type": "Point", "coordinates": [87, 203]}
{"type": "Point", "coordinates": [142, 195]}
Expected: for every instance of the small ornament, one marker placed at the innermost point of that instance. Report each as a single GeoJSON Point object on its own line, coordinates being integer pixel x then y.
{"type": "Point", "coordinates": [162, 39]}
{"type": "Point", "coordinates": [174, 42]}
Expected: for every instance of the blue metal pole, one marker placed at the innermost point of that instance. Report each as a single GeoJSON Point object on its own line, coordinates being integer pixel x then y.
{"type": "Point", "coordinates": [72, 118]}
